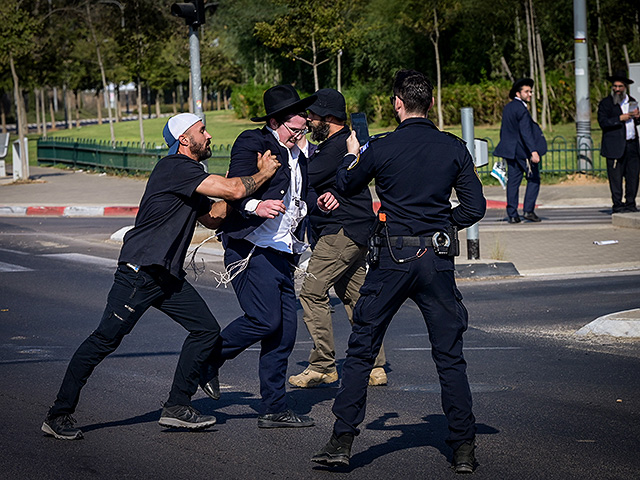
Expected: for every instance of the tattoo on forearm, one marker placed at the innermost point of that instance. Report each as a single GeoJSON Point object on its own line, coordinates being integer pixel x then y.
{"type": "Point", "coordinates": [249, 184]}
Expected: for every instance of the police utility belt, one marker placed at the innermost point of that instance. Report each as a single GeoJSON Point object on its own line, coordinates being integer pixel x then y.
{"type": "Point", "coordinates": [443, 243]}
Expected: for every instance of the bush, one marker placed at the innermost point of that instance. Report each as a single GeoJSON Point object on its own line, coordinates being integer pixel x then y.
{"type": "Point", "coordinates": [247, 100]}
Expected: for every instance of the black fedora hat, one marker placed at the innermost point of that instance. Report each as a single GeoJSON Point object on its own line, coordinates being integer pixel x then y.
{"type": "Point", "coordinates": [283, 99]}
{"type": "Point", "coordinates": [518, 85]}
{"type": "Point", "coordinates": [620, 76]}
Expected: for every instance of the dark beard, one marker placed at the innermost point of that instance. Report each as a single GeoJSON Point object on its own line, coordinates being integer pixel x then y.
{"type": "Point", "coordinates": [200, 151]}
{"type": "Point", "coordinates": [321, 132]}
{"type": "Point", "coordinates": [617, 98]}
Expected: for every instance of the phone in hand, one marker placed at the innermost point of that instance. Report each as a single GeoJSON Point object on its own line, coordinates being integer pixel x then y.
{"type": "Point", "coordinates": [360, 126]}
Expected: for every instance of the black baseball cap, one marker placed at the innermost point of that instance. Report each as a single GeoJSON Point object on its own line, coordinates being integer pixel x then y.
{"type": "Point", "coordinates": [329, 102]}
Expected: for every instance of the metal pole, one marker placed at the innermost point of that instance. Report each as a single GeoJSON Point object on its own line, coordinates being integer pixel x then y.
{"type": "Point", "coordinates": [473, 240]}
{"type": "Point", "coordinates": [584, 143]}
{"type": "Point", "coordinates": [196, 79]}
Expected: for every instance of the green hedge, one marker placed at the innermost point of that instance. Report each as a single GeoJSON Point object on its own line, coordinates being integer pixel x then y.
{"type": "Point", "coordinates": [487, 99]}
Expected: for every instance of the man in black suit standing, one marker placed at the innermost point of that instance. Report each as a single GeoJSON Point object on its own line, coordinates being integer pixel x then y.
{"type": "Point", "coordinates": [618, 116]}
{"type": "Point", "coordinates": [522, 145]}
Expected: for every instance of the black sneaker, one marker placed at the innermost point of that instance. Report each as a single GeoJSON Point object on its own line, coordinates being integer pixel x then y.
{"type": "Point", "coordinates": [183, 416]}
{"type": "Point", "coordinates": [212, 388]}
{"type": "Point", "coordinates": [336, 453]}
{"type": "Point", "coordinates": [464, 458]}
{"type": "Point", "coordinates": [286, 419]}
{"type": "Point", "coordinates": [61, 427]}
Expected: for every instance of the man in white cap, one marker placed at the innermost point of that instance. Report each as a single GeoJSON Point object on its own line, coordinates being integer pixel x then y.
{"type": "Point", "coordinates": [150, 273]}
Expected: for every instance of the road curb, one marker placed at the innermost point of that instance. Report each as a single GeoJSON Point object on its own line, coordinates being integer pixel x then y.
{"type": "Point", "coordinates": [619, 324]}
{"type": "Point", "coordinates": [70, 211]}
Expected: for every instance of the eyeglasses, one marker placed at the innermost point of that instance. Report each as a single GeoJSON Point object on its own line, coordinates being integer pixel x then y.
{"type": "Point", "coordinates": [296, 132]}
{"type": "Point", "coordinates": [393, 99]}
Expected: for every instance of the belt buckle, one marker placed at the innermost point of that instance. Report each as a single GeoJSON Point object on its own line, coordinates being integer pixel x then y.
{"type": "Point", "coordinates": [441, 242]}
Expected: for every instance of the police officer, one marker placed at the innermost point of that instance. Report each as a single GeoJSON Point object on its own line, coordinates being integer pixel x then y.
{"type": "Point", "coordinates": [415, 169]}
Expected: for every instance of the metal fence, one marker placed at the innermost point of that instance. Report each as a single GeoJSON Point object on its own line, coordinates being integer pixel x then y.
{"type": "Point", "coordinates": [562, 156]}
{"type": "Point", "coordinates": [128, 157]}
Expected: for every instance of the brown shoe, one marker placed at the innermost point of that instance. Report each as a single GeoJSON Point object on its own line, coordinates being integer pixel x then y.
{"type": "Point", "coordinates": [311, 378]}
{"type": "Point", "coordinates": [378, 377]}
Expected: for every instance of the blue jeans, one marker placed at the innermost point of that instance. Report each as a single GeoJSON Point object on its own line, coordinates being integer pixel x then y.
{"type": "Point", "coordinates": [131, 295]}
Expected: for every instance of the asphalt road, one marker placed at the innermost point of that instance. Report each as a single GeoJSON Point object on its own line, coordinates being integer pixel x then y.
{"type": "Point", "coordinates": [548, 405]}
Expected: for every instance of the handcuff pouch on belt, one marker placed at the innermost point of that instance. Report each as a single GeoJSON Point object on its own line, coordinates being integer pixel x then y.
{"type": "Point", "coordinates": [443, 243]}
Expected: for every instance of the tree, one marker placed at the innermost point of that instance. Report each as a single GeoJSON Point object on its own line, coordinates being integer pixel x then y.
{"type": "Point", "coordinates": [19, 30]}
{"type": "Point", "coordinates": [309, 31]}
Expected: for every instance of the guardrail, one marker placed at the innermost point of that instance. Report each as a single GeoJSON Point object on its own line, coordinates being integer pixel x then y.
{"type": "Point", "coordinates": [129, 157]}
{"type": "Point", "coordinates": [561, 158]}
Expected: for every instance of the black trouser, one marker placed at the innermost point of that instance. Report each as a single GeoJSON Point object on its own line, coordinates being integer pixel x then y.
{"type": "Point", "coordinates": [626, 167]}
{"type": "Point", "coordinates": [429, 282]}
{"type": "Point", "coordinates": [131, 295]}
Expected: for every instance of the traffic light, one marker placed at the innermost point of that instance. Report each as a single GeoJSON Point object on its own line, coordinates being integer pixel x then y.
{"type": "Point", "coordinates": [192, 12]}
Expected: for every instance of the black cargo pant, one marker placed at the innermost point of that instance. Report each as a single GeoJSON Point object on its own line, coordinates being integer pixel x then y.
{"type": "Point", "coordinates": [132, 293]}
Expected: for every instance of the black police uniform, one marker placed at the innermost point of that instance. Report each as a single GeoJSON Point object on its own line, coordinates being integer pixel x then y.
{"type": "Point", "coordinates": [415, 169]}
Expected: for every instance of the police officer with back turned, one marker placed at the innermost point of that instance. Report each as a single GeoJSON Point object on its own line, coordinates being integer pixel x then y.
{"type": "Point", "coordinates": [411, 256]}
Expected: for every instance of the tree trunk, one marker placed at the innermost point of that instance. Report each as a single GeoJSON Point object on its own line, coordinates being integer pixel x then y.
{"type": "Point", "coordinates": [606, 48]}
{"type": "Point", "coordinates": [139, 101]}
{"type": "Point", "coordinates": [52, 110]}
{"type": "Point", "coordinates": [173, 100]}
{"type": "Point", "coordinates": [339, 68]}
{"type": "Point", "coordinates": [77, 105]}
{"type": "Point", "coordinates": [21, 117]}
{"type": "Point", "coordinates": [3, 118]}
{"type": "Point", "coordinates": [36, 94]}
{"type": "Point", "coordinates": [218, 94]}
{"type": "Point", "coordinates": [43, 109]}
{"type": "Point", "coordinates": [532, 65]}
{"type": "Point", "coordinates": [626, 57]}
{"type": "Point", "coordinates": [158, 109]}
{"type": "Point", "coordinates": [100, 97]}
{"type": "Point", "coordinates": [543, 84]}
{"type": "Point", "coordinates": [315, 64]}
{"type": "Point", "coordinates": [102, 74]}
{"type": "Point", "coordinates": [435, 39]}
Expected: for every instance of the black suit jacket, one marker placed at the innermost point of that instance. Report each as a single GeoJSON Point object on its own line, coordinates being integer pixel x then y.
{"type": "Point", "coordinates": [244, 157]}
{"type": "Point", "coordinates": [614, 134]}
{"type": "Point", "coordinates": [519, 134]}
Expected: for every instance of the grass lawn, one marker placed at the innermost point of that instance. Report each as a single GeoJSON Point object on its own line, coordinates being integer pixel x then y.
{"type": "Point", "coordinates": [225, 127]}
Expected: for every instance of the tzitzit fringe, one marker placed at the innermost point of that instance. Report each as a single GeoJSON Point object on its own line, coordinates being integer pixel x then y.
{"type": "Point", "coordinates": [192, 258]}
{"type": "Point", "coordinates": [232, 270]}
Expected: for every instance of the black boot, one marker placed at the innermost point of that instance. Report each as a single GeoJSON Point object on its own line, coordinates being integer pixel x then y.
{"type": "Point", "coordinates": [337, 452]}
{"type": "Point", "coordinates": [464, 458]}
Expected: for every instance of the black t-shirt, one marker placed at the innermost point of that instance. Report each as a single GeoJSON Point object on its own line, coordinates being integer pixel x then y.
{"type": "Point", "coordinates": [167, 215]}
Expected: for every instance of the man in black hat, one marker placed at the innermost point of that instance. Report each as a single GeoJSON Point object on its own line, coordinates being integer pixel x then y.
{"type": "Point", "coordinates": [522, 144]}
{"type": "Point", "coordinates": [262, 237]}
{"type": "Point", "coordinates": [618, 116]}
{"type": "Point", "coordinates": [339, 242]}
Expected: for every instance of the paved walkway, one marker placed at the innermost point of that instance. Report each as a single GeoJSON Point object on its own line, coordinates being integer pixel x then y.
{"type": "Point", "coordinates": [527, 249]}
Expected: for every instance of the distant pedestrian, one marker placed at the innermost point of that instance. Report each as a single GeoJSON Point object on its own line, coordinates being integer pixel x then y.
{"type": "Point", "coordinates": [618, 116]}
{"type": "Point", "coordinates": [522, 145]}
{"type": "Point", "coordinates": [150, 273]}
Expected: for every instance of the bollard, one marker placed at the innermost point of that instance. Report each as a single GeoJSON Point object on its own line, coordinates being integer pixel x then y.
{"type": "Point", "coordinates": [473, 240]}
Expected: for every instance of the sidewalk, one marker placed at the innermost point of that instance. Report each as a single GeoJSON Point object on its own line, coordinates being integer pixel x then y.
{"type": "Point", "coordinates": [526, 249]}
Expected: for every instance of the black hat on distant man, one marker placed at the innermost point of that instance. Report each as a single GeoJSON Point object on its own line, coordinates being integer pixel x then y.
{"type": "Point", "coordinates": [329, 102]}
{"type": "Point", "coordinates": [283, 99]}
{"type": "Point", "coordinates": [620, 76]}
{"type": "Point", "coordinates": [518, 85]}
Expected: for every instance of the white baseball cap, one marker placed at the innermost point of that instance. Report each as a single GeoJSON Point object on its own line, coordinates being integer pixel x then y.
{"type": "Point", "coordinates": [176, 126]}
